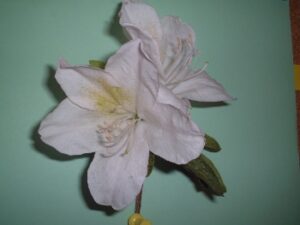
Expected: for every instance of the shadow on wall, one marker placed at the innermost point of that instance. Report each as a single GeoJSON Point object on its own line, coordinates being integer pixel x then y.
{"type": "Point", "coordinates": [114, 29]}
{"type": "Point", "coordinates": [195, 104]}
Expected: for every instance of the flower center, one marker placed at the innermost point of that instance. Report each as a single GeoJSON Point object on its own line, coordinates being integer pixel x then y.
{"type": "Point", "coordinates": [117, 108]}
{"type": "Point", "coordinates": [112, 133]}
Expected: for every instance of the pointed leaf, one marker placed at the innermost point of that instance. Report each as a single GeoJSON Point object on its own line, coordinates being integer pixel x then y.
{"type": "Point", "coordinates": [97, 63]}
{"type": "Point", "coordinates": [211, 144]}
{"type": "Point", "coordinates": [204, 170]}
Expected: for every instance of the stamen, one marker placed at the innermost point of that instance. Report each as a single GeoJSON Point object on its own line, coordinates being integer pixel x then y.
{"type": "Point", "coordinates": [203, 67]}
{"type": "Point", "coordinates": [173, 84]}
{"type": "Point", "coordinates": [111, 134]}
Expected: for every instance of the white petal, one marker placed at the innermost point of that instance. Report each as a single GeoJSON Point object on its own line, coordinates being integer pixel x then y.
{"type": "Point", "coordinates": [115, 181]}
{"type": "Point", "coordinates": [200, 87]}
{"type": "Point", "coordinates": [81, 84]}
{"type": "Point", "coordinates": [165, 96]}
{"type": "Point", "coordinates": [140, 21]}
{"type": "Point", "coordinates": [172, 135]}
{"type": "Point", "coordinates": [141, 16]}
{"type": "Point", "coordinates": [177, 47]}
{"type": "Point", "coordinates": [124, 66]}
{"type": "Point", "coordinates": [174, 30]}
{"type": "Point", "coordinates": [176, 67]}
{"type": "Point", "coordinates": [72, 130]}
{"type": "Point", "coordinates": [130, 69]}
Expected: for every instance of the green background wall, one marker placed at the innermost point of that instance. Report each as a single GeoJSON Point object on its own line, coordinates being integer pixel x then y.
{"type": "Point", "coordinates": [247, 45]}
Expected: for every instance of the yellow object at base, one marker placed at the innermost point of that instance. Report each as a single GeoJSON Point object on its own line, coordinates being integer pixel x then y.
{"type": "Point", "coordinates": [138, 219]}
{"type": "Point", "coordinates": [146, 222]}
{"type": "Point", "coordinates": [135, 219]}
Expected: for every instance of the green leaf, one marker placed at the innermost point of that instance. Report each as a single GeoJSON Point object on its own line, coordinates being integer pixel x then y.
{"type": "Point", "coordinates": [151, 162]}
{"type": "Point", "coordinates": [204, 170]}
{"type": "Point", "coordinates": [97, 63]}
{"type": "Point", "coordinates": [211, 144]}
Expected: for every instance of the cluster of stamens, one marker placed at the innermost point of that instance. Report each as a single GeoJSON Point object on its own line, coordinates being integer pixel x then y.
{"type": "Point", "coordinates": [111, 133]}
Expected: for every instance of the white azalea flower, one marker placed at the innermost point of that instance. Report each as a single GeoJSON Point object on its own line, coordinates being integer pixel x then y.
{"type": "Point", "coordinates": [115, 114]}
{"type": "Point", "coordinates": [170, 44]}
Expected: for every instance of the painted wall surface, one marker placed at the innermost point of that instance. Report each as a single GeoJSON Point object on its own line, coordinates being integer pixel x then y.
{"type": "Point", "coordinates": [247, 45]}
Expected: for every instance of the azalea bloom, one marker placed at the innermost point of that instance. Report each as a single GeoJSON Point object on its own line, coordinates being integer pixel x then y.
{"type": "Point", "coordinates": [170, 45]}
{"type": "Point", "coordinates": [120, 114]}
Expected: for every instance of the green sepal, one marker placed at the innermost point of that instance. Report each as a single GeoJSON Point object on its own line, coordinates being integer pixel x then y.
{"type": "Point", "coordinates": [97, 63]}
{"type": "Point", "coordinates": [204, 171]}
{"type": "Point", "coordinates": [151, 162]}
{"type": "Point", "coordinates": [211, 144]}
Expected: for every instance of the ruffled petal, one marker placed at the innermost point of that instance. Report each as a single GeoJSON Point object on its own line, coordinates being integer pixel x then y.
{"type": "Point", "coordinates": [74, 131]}
{"type": "Point", "coordinates": [115, 181]}
{"type": "Point", "coordinates": [124, 67]}
{"type": "Point", "coordinates": [165, 96]}
{"type": "Point", "coordinates": [173, 29]}
{"type": "Point", "coordinates": [200, 87]}
{"type": "Point", "coordinates": [83, 84]}
{"type": "Point", "coordinates": [177, 48]}
{"type": "Point", "coordinates": [141, 16]}
{"type": "Point", "coordinates": [172, 135]}
{"type": "Point", "coordinates": [140, 21]}
{"type": "Point", "coordinates": [132, 71]}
